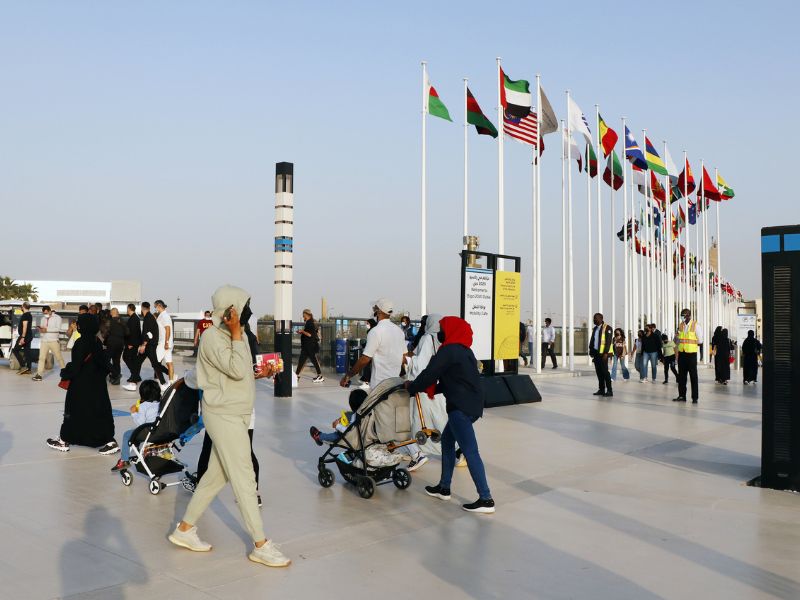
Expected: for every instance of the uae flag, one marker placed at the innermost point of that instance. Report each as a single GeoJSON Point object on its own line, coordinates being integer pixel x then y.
{"type": "Point", "coordinates": [435, 106]}
{"type": "Point", "coordinates": [515, 97]}
{"type": "Point", "coordinates": [613, 173]}
{"type": "Point", "coordinates": [476, 117]}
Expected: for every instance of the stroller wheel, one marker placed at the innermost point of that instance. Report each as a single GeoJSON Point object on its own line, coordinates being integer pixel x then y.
{"type": "Point", "coordinates": [126, 477]}
{"type": "Point", "coordinates": [325, 477]}
{"type": "Point", "coordinates": [366, 487]}
{"type": "Point", "coordinates": [421, 437]}
{"type": "Point", "coordinates": [155, 487]}
{"type": "Point", "coordinates": [401, 478]}
{"type": "Point", "coordinates": [436, 437]}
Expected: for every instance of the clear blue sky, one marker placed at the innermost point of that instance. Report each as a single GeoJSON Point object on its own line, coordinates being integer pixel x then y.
{"type": "Point", "coordinates": [139, 139]}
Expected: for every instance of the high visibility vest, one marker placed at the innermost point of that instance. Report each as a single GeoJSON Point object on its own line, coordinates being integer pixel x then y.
{"type": "Point", "coordinates": [602, 338]}
{"type": "Point", "coordinates": [687, 337]}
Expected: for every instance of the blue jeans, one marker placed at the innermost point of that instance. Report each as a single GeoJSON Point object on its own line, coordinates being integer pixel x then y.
{"type": "Point", "coordinates": [125, 452]}
{"type": "Point", "coordinates": [459, 429]}
{"type": "Point", "coordinates": [651, 358]}
{"type": "Point", "coordinates": [331, 438]}
{"type": "Point", "coordinates": [530, 351]}
{"type": "Point", "coordinates": [621, 361]}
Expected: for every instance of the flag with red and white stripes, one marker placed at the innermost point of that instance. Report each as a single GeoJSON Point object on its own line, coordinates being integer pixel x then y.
{"type": "Point", "coordinates": [523, 130]}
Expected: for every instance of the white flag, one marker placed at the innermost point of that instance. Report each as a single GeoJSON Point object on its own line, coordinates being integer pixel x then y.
{"type": "Point", "coordinates": [578, 122]}
{"type": "Point", "coordinates": [669, 163]}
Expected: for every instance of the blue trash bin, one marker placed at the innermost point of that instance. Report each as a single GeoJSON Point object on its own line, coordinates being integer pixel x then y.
{"type": "Point", "coordinates": [341, 355]}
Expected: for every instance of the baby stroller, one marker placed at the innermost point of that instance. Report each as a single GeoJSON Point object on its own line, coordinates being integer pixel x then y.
{"type": "Point", "coordinates": [364, 452]}
{"type": "Point", "coordinates": [154, 446]}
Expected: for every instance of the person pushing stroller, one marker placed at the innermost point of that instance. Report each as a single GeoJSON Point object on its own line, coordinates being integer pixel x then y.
{"type": "Point", "coordinates": [453, 371]}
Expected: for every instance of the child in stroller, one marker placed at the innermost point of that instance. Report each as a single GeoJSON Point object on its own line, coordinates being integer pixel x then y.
{"type": "Point", "coordinates": [356, 399]}
{"type": "Point", "coordinates": [364, 449]}
{"type": "Point", "coordinates": [153, 447]}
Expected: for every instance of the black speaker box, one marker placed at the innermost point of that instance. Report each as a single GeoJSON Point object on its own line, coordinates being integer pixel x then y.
{"type": "Point", "coordinates": [522, 389]}
{"type": "Point", "coordinates": [496, 392]}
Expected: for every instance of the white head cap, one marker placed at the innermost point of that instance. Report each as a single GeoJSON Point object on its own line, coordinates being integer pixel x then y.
{"type": "Point", "coordinates": [384, 305]}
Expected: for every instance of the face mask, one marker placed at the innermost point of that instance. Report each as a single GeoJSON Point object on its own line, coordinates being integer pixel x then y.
{"type": "Point", "coordinates": [440, 336]}
{"type": "Point", "coordinates": [375, 315]}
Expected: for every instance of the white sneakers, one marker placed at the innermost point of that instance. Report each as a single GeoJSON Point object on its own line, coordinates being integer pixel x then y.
{"type": "Point", "coordinates": [269, 555]}
{"type": "Point", "coordinates": [189, 540]}
{"type": "Point", "coordinates": [131, 387]}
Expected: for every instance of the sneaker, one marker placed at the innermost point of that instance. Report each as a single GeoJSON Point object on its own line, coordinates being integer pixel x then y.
{"type": "Point", "coordinates": [417, 462]}
{"type": "Point", "coordinates": [314, 432]}
{"type": "Point", "coordinates": [481, 505]}
{"type": "Point", "coordinates": [437, 491]}
{"type": "Point", "coordinates": [693, 401]}
{"type": "Point", "coordinates": [58, 444]}
{"type": "Point", "coordinates": [110, 448]}
{"type": "Point", "coordinates": [25, 371]}
{"type": "Point", "coordinates": [36, 377]}
{"type": "Point", "coordinates": [318, 379]}
{"type": "Point", "coordinates": [461, 460]}
{"type": "Point", "coordinates": [189, 540]}
{"type": "Point", "coordinates": [121, 464]}
{"type": "Point", "coordinates": [652, 381]}
{"type": "Point", "coordinates": [364, 386]}
{"type": "Point", "coordinates": [608, 395]}
{"type": "Point", "coordinates": [664, 382]}
{"type": "Point", "coordinates": [269, 555]}
{"type": "Point", "coordinates": [679, 399]}
{"type": "Point", "coordinates": [131, 387]}
{"type": "Point", "coordinates": [642, 380]}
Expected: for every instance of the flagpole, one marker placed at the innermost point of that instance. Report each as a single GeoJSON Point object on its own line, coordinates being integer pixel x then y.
{"type": "Point", "coordinates": [501, 235]}
{"type": "Point", "coordinates": [589, 224]}
{"type": "Point", "coordinates": [466, 166]}
{"type": "Point", "coordinates": [625, 303]}
{"type": "Point", "coordinates": [686, 266]}
{"type": "Point", "coordinates": [648, 227]}
{"type": "Point", "coordinates": [569, 246]}
{"type": "Point", "coordinates": [703, 277]}
{"type": "Point", "coordinates": [613, 246]}
{"type": "Point", "coordinates": [669, 283]}
{"type": "Point", "coordinates": [599, 225]}
{"type": "Point", "coordinates": [537, 318]}
{"type": "Point", "coordinates": [717, 288]}
{"type": "Point", "coordinates": [563, 250]}
{"type": "Point", "coordinates": [423, 230]}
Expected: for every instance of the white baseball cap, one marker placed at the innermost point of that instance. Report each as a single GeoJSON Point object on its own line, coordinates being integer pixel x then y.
{"type": "Point", "coordinates": [384, 305]}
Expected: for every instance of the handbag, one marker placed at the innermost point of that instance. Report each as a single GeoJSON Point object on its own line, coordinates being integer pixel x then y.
{"type": "Point", "coordinates": [64, 383]}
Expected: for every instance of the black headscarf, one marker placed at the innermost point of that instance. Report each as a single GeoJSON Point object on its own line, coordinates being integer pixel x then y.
{"type": "Point", "coordinates": [422, 322]}
{"type": "Point", "coordinates": [88, 326]}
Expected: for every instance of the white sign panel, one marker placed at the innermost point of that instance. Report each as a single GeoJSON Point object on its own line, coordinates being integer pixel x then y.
{"type": "Point", "coordinates": [743, 324]}
{"type": "Point", "coordinates": [478, 296]}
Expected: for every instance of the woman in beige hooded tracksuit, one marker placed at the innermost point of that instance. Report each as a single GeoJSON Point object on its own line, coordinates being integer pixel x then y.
{"type": "Point", "coordinates": [225, 375]}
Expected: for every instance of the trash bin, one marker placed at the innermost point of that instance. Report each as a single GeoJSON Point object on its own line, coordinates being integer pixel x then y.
{"type": "Point", "coordinates": [341, 355]}
{"type": "Point", "coordinates": [353, 352]}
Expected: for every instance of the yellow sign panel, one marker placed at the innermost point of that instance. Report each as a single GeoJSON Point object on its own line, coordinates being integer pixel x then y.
{"type": "Point", "coordinates": [506, 315]}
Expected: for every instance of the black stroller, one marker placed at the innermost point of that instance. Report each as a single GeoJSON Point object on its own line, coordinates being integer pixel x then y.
{"type": "Point", "coordinates": [154, 446]}
{"type": "Point", "coordinates": [364, 452]}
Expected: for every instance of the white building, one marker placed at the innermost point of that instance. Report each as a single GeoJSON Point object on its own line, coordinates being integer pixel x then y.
{"type": "Point", "coordinates": [68, 295]}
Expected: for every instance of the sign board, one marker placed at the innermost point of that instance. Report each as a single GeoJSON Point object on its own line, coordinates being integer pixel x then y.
{"type": "Point", "coordinates": [478, 298]}
{"type": "Point", "coordinates": [506, 315]}
{"type": "Point", "coordinates": [743, 324]}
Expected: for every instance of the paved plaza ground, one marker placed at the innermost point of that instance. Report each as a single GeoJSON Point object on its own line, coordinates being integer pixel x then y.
{"type": "Point", "coordinates": [631, 497]}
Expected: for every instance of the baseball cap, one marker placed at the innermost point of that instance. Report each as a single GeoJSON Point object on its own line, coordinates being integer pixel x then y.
{"type": "Point", "coordinates": [384, 305]}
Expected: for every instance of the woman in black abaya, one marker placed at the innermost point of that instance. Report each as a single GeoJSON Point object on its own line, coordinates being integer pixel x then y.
{"type": "Point", "coordinates": [88, 420]}
{"type": "Point", "coordinates": [751, 348]}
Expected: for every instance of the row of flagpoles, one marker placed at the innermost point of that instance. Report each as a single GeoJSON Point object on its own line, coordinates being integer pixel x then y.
{"type": "Point", "coordinates": [661, 274]}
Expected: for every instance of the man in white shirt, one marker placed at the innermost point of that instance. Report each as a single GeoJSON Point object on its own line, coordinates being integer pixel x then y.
{"type": "Point", "coordinates": [165, 337]}
{"type": "Point", "coordinates": [386, 345]}
{"type": "Point", "coordinates": [549, 343]}
{"type": "Point", "coordinates": [49, 330]}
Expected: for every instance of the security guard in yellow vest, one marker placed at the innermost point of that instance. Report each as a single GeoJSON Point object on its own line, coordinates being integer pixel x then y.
{"type": "Point", "coordinates": [687, 340]}
{"type": "Point", "coordinates": [600, 348]}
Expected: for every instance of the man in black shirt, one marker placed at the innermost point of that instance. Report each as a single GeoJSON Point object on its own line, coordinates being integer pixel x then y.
{"type": "Point", "coordinates": [115, 344]}
{"type": "Point", "coordinates": [133, 339]}
{"type": "Point", "coordinates": [22, 347]}
{"type": "Point", "coordinates": [150, 342]}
